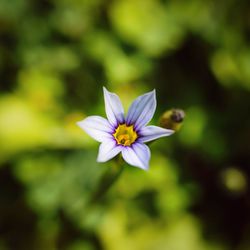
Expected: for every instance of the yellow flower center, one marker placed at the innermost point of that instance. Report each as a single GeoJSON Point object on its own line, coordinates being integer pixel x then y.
{"type": "Point", "coordinates": [125, 135]}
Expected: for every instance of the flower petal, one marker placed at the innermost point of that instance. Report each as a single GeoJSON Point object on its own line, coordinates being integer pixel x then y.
{"type": "Point", "coordinates": [150, 133]}
{"type": "Point", "coordinates": [97, 127]}
{"type": "Point", "coordinates": [137, 155]}
{"type": "Point", "coordinates": [107, 150]}
{"type": "Point", "coordinates": [142, 110]}
{"type": "Point", "coordinates": [113, 107]}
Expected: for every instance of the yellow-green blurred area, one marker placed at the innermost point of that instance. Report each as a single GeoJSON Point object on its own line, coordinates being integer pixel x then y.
{"type": "Point", "coordinates": [55, 56]}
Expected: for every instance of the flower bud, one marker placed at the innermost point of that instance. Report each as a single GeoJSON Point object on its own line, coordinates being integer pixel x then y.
{"type": "Point", "coordinates": [172, 119]}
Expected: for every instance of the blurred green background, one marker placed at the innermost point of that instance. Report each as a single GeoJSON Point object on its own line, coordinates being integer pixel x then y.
{"type": "Point", "coordinates": [55, 56]}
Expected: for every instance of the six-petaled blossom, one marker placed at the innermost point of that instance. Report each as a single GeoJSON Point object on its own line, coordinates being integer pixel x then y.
{"type": "Point", "coordinates": [125, 135]}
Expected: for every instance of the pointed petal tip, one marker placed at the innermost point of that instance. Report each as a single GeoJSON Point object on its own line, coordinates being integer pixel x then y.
{"type": "Point", "coordinates": [97, 127]}
{"type": "Point", "coordinates": [105, 91]}
{"type": "Point", "coordinates": [113, 107]}
{"type": "Point", "coordinates": [141, 166]}
{"type": "Point", "coordinates": [145, 168]}
{"type": "Point", "coordinates": [171, 131]}
{"type": "Point", "coordinates": [153, 92]}
{"type": "Point", "coordinates": [150, 133]}
{"type": "Point", "coordinates": [138, 156]}
{"type": "Point", "coordinates": [99, 160]}
{"type": "Point", "coordinates": [80, 123]}
{"type": "Point", "coordinates": [168, 131]}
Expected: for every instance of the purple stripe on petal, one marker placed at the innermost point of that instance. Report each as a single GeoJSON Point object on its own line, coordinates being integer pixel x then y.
{"type": "Point", "coordinates": [142, 110]}
{"type": "Point", "coordinates": [113, 107]}
{"type": "Point", "coordinates": [97, 127]}
{"type": "Point", "coordinates": [137, 155]}
{"type": "Point", "coordinates": [107, 150]}
{"type": "Point", "coordinates": [150, 133]}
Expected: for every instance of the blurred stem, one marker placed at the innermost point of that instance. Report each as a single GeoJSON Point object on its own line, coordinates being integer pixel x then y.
{"type": "Point", "coordinates": [107, 180]}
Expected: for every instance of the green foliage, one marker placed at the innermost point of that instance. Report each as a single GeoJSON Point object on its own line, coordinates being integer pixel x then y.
{"type": "Point", "coordinates": [55, 56]}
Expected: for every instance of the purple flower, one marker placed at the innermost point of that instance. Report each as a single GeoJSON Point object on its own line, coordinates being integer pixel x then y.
{"type": "Point", "coordinates": [126, 135]}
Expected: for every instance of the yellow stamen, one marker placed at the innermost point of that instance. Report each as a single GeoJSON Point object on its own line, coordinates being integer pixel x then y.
{"type": "Point", "coordinates": [125, 135]}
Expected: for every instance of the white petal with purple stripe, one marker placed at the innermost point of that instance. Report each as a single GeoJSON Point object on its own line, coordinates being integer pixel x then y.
{"type": "Point", "coordinates": [142, 110]}
{"type": "Point", "coordinates": [137, 155]}
{"type": "Point", "coordinates": [97, 127]}
{"type": "Point", "coordinates": [113, 107]}
{"type": "Point", "coordinates": [150, 133]}
{"type": "Point", "coordinates": [107, 150]}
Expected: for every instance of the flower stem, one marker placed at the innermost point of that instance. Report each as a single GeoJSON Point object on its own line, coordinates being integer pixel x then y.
{"type": "Point", "coordinates": [107, 180]}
